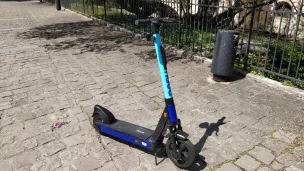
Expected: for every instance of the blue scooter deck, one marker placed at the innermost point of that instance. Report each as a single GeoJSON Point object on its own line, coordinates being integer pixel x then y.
{"type": "Point", "coordinates": [131, 129]}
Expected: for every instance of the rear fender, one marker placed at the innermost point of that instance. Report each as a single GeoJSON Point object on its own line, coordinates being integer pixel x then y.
{"type": "Point", "coordinates": [105, 113]}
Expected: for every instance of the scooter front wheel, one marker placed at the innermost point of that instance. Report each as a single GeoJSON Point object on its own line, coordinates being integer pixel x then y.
{"type": "Point", "coordinates": [184, 156]}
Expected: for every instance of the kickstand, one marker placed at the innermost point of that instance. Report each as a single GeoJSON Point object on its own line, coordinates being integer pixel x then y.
{"type": "Point", "coordinates": [155, 154]}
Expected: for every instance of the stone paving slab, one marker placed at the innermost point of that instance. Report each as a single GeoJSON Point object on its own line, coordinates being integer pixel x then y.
{"type": "Point", "coordinates": [56, 65]}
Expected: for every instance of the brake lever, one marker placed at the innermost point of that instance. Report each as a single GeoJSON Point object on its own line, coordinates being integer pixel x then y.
{"type": "Point", "coordinates": [147, 36]}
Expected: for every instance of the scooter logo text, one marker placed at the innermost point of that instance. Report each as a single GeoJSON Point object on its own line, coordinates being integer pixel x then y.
{"type": "Point", "coordinates": [140, 131]}
{"type": "Point", "coordinates": [168, 84]}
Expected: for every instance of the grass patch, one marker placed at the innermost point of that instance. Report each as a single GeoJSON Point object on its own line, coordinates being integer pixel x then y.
{"type": "Point", "coordinates": [193, 91]}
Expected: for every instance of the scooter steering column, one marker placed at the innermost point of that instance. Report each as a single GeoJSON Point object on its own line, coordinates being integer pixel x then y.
{"type": "Point", "coordinates": [162, 63]}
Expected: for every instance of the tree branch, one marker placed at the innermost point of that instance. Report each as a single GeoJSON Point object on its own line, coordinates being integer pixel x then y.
{"type": "Point", "coordinates": [262, 4]}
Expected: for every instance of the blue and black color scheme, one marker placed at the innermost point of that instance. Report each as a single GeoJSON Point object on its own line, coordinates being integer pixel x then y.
{"type": "Point", "coordinates": [162, 64]}
{"type": "Point", "coordinates": [178, 148]}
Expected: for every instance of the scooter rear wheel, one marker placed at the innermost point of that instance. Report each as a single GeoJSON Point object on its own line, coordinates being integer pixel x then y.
{"type": "Point", "coordinates": [185, 156]}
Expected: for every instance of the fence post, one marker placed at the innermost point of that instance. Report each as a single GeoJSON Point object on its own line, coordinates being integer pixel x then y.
{"type": "Point", "coordinates": [92, 4]}
{"type": "Point", "coordinates": [58, 5]}
{"type": "Point", "coordinates": [299, 14]}
{"type": "Point", "coordinates": [105, 9]}
{"type": "Point", "coordinates": [302, 48]}
{"type": "Point", "coordinates": [179, 26]}
{"type": "Point", "coordinates": [121, 10]}
{"type": "Point", "coordinates": [83, 6]}
{"type": "Point", "coordinates": [249, 35]}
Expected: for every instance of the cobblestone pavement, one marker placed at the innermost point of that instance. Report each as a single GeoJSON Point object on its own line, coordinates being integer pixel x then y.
{"type": "Point", "coordinates": [55, 65]}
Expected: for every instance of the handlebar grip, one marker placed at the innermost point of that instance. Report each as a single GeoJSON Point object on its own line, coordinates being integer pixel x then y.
{"type": "Point", "coordinates": [168, 20]}
{"type": "Point", "coordinates": [155, 21]}
{"type": "Point", "coordinates": [142, 21]}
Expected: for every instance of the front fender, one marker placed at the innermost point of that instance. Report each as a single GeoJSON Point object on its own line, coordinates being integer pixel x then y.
{"type": "Point", "coordinates": [181, 135]}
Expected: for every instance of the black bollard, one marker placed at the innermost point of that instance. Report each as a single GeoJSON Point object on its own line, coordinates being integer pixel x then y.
{"type": "Point", "coordinates": [58, 5]}
{"type": "Point", "coordinates": [224, 54]}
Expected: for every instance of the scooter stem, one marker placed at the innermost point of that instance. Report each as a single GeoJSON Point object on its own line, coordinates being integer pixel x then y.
{"type": "Point", "coordinates": [162, 63]}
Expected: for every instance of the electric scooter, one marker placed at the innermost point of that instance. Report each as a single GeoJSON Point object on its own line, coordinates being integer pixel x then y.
{"type": "Point", "coordinates": [178, 147]}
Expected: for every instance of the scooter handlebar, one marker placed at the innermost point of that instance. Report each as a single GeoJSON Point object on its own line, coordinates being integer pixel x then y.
{"type": "Point", "coordinates": [154, 21]}
{"type": "Point", "coordinates": [142, 21]}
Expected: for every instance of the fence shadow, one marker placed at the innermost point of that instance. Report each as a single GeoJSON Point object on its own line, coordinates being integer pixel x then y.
{"type": "Point", "coordinates": [151, 55]}
{"type": "Point", "coordinates": [87, 36]}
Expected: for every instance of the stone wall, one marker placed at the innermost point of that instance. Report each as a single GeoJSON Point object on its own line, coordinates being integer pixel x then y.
{"type": "Point", "coordinates": [286, 24]}
{"type": "Point", "coordinates": [282, 24]}
{"type": "Point", "coordinates": [262, 19]}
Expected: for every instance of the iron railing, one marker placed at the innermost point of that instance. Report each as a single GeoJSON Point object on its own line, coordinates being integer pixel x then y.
{"type": "Point", "coordinates": [271, 31]}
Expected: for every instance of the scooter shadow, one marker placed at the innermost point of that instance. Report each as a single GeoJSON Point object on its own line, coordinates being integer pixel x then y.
{"type": "Point", "coordinates": [200, 163]}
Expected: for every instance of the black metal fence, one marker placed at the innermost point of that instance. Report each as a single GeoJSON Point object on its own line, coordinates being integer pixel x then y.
{"type": "Point", "coordinates": [271, 31]}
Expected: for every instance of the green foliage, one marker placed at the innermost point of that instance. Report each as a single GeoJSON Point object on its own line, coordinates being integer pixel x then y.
{"type": "Point", "coordinates": [257, 72]}
{"type": "Point", "coordinates": [209, 47]}
{"type": "Point", "coordinates": [283, 56]}
{"type": "Point", "coordinates": [283, 71]}
{"type": "Point", "coordinates": [193, 91]}
{"type": "Point", "coordinates": [287, 83]}
{"type": "Point", "coordinates": [282, 80]}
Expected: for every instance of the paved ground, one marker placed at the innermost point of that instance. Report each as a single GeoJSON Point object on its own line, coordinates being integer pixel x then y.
{"type": "Point", "coordinates": [56, 65]}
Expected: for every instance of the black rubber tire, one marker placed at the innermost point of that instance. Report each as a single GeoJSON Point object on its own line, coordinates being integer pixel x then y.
{"type": "Point", "coordinates": [189, 150]}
